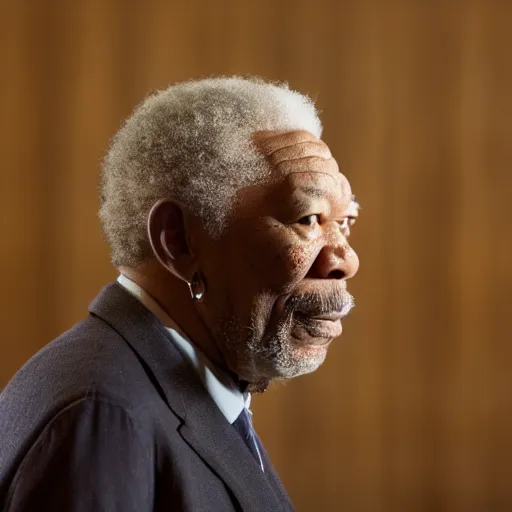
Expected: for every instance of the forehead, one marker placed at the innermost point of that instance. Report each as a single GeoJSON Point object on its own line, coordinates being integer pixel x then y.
{"type": "Point", "coordinates": [302, 165]}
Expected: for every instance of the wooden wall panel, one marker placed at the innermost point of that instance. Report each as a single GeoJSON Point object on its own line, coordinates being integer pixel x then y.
{"type": "Point", "coordinates": [412, 410]}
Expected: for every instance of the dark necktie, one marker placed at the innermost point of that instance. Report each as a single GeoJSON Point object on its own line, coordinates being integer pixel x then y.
{"type": "Point", "coordinates": [244, 426]}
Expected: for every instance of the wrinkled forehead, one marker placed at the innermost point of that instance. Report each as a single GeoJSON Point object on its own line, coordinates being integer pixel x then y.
{"type": "Point", "coordinates": [302, 161]}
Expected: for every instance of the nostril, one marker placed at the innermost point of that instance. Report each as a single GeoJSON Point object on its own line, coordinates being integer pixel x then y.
{"type": "Point", "coordinates": [336, 274]}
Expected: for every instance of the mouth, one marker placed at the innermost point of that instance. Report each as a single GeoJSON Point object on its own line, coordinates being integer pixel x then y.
{"type": "Point", "coordinates": [316, 319]}
{"type": "Point", "coordinates": [332, 316]}
{"type": "Point", "coordinates": [319, 330]}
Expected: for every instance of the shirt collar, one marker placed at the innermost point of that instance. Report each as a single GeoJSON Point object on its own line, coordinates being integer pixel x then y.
{"type": "Point", "coordinates": [221, 387]}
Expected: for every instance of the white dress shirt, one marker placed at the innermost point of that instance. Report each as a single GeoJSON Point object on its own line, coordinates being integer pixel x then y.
{"type": "Point", "coordinates": [221, 387]}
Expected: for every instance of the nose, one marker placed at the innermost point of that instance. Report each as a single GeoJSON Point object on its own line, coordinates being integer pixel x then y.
{"type": "Point", "coordinates": [338, 261]}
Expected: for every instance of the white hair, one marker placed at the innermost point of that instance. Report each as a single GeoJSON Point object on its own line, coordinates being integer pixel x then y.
{"type": "Point", "coordinates": [192, 143]}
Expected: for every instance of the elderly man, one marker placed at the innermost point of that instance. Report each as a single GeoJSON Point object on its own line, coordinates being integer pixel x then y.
{"type": "Point", "coordinates": [228, 220]}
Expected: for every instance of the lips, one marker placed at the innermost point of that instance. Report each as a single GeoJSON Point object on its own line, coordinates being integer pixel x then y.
{"type": "Point", "coordinates": [329, 316]}
{"type": "Point", "coordinates": [317, 319]}
{"type": "Point", "coordinates": [315, 330]}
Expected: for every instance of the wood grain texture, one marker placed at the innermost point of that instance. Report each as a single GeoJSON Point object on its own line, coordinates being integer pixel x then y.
{"type": "Point", "coordinates": [412, 410]}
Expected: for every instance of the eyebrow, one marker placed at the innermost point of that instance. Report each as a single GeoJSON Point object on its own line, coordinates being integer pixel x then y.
{"type": "Point", "coordinates": [315, 192]}
{"type": "Point", "coordinates": [318, 193]}
{"type": "Point", "coordinates": [304, 203]}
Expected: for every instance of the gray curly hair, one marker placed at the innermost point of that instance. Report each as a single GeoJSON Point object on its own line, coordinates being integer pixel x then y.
{"type": "Point", "coordinates": [192, 143]}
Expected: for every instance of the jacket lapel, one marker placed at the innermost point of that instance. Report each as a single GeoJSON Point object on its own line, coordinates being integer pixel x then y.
{"type": "Point", "coordinates": [222, 448]}
{"type": "Point", "coordinates": [278, 487]}
{"type": "Point", "coordinates": [203, 426]}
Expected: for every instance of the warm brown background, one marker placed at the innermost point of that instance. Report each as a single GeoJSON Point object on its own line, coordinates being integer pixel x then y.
{"type": "Point", "coordinates": [413, 410]}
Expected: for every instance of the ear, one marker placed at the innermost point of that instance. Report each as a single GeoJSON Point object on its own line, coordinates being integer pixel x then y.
{"type": "Point", "coordinates": [169, 236]}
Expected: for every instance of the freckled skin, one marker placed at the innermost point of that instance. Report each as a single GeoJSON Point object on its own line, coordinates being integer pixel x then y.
{"type": "Point", "coordinates": [269, 263]}
{"type": "Point", "coordinates": [299, 256]}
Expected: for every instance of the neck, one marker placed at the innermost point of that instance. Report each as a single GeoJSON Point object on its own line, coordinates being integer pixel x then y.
{"type": "Point", "coordinates": [173, 296]}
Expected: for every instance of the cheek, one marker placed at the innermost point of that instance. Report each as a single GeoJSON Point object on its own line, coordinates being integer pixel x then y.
{"type": "Point", "coordinates": [300, 258]}
{"type": "Point", "coordinates": [290, 263]}
{"type": "Point", "coordinates": [273, 260]}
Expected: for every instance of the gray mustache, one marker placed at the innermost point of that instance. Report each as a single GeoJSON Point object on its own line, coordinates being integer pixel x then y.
{"type": "Point", "coordinates": [314, 304]}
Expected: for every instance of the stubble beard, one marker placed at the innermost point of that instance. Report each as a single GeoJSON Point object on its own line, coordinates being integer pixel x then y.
{"type": "Point", "coordinates": [261, 359]}
{"type": "Point", "coordinates": [259, 356]}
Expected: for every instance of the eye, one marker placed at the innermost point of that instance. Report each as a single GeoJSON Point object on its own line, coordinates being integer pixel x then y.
{"type": "Point", "coordinates": [346, 224]}
{"type": "Point", "coordinates": [309, 220]}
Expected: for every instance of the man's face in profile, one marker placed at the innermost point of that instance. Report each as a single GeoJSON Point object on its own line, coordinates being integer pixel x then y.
{"type": "Point", "coordinates": [277, 277]}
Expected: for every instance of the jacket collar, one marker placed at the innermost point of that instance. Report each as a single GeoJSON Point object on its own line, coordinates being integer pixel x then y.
{"type": "Point", "coordinates": [220, 385]}
{"type": "Point", "coordinates": [219, 445]}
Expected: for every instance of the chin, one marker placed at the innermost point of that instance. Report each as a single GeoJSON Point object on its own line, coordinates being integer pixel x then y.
{"type": "Point", "coordinates": [305, 359]}
{"type": "Point", "coordinates": [295, 361]}
{"type": "Point", "coordinates": [279, 357]}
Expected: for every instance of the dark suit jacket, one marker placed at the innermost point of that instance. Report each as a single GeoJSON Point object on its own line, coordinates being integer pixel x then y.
{"type": "Point", "coordinates": [110, 417]}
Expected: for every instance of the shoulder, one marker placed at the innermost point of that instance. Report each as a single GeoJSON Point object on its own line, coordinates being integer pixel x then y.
{"type": "Point", "coordinates": [90, 356]}
{"type": "Point", "coordinates": [88, 370]}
